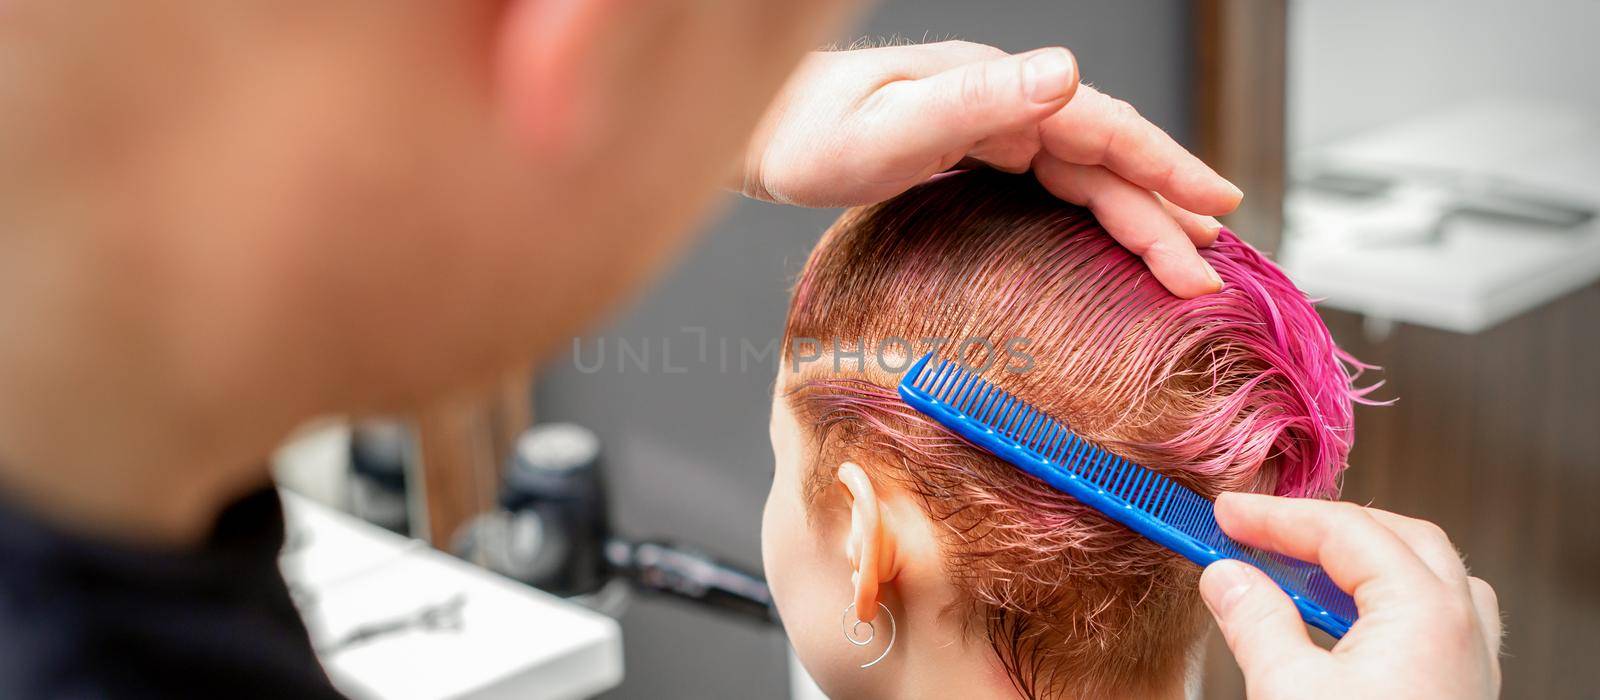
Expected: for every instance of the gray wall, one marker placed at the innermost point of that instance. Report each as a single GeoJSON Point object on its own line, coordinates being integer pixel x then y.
{"type": "Point", "coordinates": [1356, 64]}
{"type": "Point", "coordinates": [687, 452]}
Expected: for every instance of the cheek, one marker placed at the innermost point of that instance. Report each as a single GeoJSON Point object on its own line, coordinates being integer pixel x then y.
{"type": "Point", "coordinates": [783, 547]}
{"type": "Point", "coordinates": [809, 587]}
{"type": "Point", "coordinates": [771, 563]}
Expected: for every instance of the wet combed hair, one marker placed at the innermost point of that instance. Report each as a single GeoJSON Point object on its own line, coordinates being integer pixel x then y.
{"type": "Point", "coordinates": [1239, 390]}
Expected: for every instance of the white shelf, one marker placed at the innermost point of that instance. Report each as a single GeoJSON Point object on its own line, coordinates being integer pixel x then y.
{"type": "Point", "coordinates": [1479, 272]}
{"type": "Point", "coordinates": [512, 641]}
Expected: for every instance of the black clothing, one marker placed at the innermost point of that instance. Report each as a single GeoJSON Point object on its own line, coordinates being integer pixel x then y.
{"type": "Point", "coordinates": [81, 618]}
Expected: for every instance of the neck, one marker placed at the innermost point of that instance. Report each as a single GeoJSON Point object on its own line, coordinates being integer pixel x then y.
{"type": "Point", "coordinates": [112, 449]}
{"type": "Point", "coordinates": [106, 427]}
{"type": "Point", "coordinates": [113, 452]}
{"type": "Point", "coordinates": [943, 659]}
{"type": "Point", "coordinates": [961, 671]}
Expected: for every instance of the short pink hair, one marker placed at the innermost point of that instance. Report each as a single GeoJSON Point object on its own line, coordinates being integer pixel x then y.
{"type": "Point", "coordinates": [1239, 390]}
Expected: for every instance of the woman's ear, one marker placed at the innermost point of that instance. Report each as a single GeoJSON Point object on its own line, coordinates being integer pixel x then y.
{"type": "Point", "coordinates": [871, 546]}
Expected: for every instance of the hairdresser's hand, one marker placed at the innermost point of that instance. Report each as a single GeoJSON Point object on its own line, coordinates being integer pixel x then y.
{"type": "Point", "coordinates": [857, 127]}
{"type": "Point", "coordinates": [1150, 194]}
{"type": "Point", "coordinates": [1427, 629]}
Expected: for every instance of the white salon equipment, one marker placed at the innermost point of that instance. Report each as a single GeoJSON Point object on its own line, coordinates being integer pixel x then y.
{"type": "Point", "coordinates": [1458, 219]}
{"type": "Point", "coordinates": [391, 617]}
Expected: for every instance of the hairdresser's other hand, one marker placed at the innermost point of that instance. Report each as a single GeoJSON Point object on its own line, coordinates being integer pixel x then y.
{"type": "Point", "coordinates": [1427, 629]}
{"type": "Point", "coordinates": [858, 127]}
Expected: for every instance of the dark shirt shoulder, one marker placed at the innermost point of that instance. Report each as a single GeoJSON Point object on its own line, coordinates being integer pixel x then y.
{"type": "Point", "coordinates": [81, 618]}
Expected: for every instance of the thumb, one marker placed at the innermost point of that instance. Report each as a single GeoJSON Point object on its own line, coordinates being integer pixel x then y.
{"type": "Point", "coordinates": [1257, 619]}
{"type": "Point", "coordinates": [950, 111]}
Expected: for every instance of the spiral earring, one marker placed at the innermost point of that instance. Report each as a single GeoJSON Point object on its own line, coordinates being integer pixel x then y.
{"type": "Point", "coordinates": [852, 630]}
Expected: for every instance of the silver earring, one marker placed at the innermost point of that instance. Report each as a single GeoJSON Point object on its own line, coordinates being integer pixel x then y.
{"type": "Point", "coordinates": [852, 631]}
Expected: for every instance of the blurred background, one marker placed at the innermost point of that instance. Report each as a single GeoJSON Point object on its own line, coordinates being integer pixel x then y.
{"type": "Point", "coordinates": [1430, 169]}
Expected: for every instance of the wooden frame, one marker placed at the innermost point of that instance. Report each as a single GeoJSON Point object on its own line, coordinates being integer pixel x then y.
{"type": "Point", "coordinates": [1240, 110]}
{"type": "Point", "coordinates": [463, 446]}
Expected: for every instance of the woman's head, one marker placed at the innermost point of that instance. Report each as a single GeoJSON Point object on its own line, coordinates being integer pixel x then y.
{"type": "Point", "coordinates": [1240, 390]}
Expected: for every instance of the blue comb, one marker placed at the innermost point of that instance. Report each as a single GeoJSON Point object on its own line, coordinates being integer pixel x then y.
{"type": "Point", "coordinates": [1149, 503]}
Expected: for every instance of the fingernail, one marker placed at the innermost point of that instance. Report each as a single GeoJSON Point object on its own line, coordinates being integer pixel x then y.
{"type": "Point", "coordinates": [1047, 75]}
{"type": "Point", "coordinates": [1223, 584]}
{"type": "Point", "coordinates": [1216, 279]}
{"type": "Point", "coordinates": [1224, 229]}
{"type": "Point", "coordinates": [1238, 194]}
{"type": "Point", "coordinates": [1228, 501]}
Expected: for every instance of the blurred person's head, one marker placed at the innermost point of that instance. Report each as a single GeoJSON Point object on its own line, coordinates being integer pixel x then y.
{"type": "Point", "coordinates": [346, 204]}
{"type": "Point", "coordinates": [996, 580]}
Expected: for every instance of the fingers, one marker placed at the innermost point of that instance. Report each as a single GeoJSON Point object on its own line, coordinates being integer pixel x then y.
{"type": "Point", "coordinates": [1487, 605]}
{"type": "Point", "coordinates": [1257, 619]}
{"type": "Point", "coordinates": [923, 60]}
{"type": "Point", "coordinates": [1363, 557]}
{"type": "Point", "coordinates": [1433, 547]}
{"type": "Point", "coordinates": [1201, 230]}
{"type": "Point", "coordinates": [1428, 541]}
{"type": "Point", "coordinates": [954, 109]}
{"type": "Point", "coordinates": [1403, 572]}
{"type": "Point", "coordinates": [1137, 219]}
{"type": "Point", "coordinates": [1012, 153]}
{"type": "Point", "coordinates": [1094, 129]}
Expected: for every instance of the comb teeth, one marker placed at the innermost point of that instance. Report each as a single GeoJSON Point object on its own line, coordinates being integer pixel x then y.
{"type": "Point", "coordinates": [1153, 505]}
